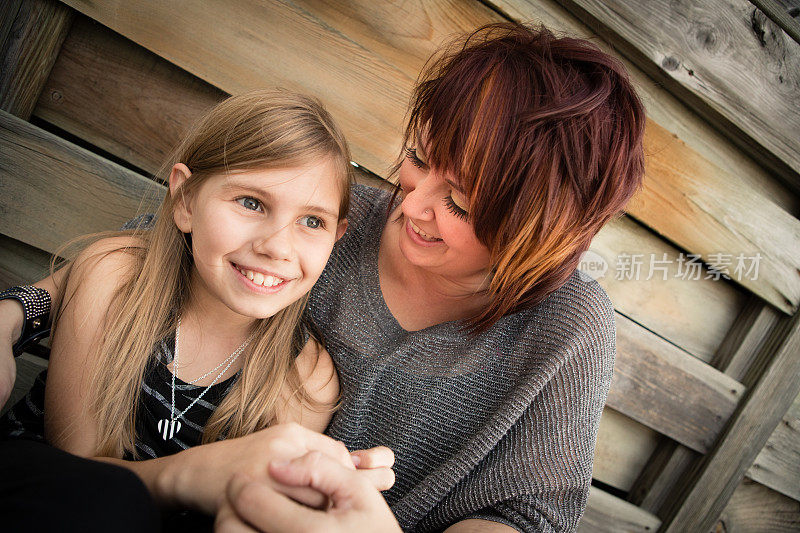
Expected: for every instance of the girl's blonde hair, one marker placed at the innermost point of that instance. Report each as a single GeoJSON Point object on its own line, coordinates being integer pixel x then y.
{"type": "Point", "coordinates": [257, 130]}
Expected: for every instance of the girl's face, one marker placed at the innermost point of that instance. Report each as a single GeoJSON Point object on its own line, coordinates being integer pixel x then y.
{"type": "Point", "coordinates": [260, 238]}
{"type": "Point", "coordinates": [437, 234]}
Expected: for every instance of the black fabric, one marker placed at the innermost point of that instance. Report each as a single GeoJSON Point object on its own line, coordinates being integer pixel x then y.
{"type": "Point", "coordinates": [46, 489]}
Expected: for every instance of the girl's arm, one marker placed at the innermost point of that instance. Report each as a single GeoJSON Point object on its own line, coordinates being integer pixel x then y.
{"type": "Point", "coordinates": [11, 319]}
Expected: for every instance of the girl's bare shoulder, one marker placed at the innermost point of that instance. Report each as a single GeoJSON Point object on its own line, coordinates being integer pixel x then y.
{"type": "Point", "coordinates": [107, 260]}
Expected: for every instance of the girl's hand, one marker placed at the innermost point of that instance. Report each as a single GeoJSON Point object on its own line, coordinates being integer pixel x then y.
{"type": "Point", "coordinates": [11, 318]}
{"type": "Point", "coordinates": [199, 478]}
{"type": "Point", "coordinates": [354, 505]}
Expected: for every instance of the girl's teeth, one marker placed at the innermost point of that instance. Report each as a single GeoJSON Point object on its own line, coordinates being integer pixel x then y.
{"type": "Point", "coordinates": [260, 279]}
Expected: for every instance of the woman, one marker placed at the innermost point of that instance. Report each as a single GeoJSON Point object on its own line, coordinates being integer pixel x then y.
{"type": "Point", "coordinates": [464, 338]}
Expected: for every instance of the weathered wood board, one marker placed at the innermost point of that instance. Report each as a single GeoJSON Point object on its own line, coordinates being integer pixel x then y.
{"type": "Point", "coordinates": [755, 419]}
{"type": "Point", "coordinates": [755, 508]}
{"type": "Point", "coordinates": [725, 58]}
{"type": "Point", "coordinates": [666, 389]}
{"type": "Point", "coordinates": [368, 95]}
{"type": "Point", "coordinates": [31, 34]}
{"type": "Point", "coordinates": [623, 448]}
{"type": "Point", "coordinates": [79, 192]}
{"type": "Point", "coordinates": [778, 464]}
{"type": "Point", "coordinates": [607, 513]}
{"type": "Point", "coordinates": [21, 264]}
{"type": "Point", "coordinates": [120, 97]}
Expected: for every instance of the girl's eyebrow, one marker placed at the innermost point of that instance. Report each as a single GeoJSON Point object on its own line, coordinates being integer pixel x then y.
{"type": "Point", "coordinates": [231, 184]}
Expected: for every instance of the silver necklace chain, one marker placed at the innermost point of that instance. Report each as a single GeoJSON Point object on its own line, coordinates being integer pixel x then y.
{"type": "Point", "coordinates": [169, 428]}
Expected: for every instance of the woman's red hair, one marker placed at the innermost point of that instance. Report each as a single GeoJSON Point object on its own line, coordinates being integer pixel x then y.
{"type": "Point", "coordinates": [544, 134]}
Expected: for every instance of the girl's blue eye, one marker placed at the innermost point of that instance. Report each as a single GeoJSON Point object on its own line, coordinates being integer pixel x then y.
{"type": "Point", "coordinates": [310, 221]}
{"type": "Point", "coordinates": [249, 203]}
{"type": "Point", "coordinates": [411, 154]}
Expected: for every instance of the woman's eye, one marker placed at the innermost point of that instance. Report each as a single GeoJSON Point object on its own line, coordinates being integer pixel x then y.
{"type": "Point", "coordinates": [411, 154]}
{"type": "Point", "coordinates": [312, 222]}
{"type": "Point", "coordinates": [249, 203]}
{"type": "Point", "coordinates": [454, 208]}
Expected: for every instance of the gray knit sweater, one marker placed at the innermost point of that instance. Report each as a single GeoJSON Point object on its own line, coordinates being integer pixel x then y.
{"type": "Point", "coordinates": [501, 427]}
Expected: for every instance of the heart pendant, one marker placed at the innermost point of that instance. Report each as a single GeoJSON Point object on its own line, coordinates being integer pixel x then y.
{"type": "Point", "coordinates": [168, 428]}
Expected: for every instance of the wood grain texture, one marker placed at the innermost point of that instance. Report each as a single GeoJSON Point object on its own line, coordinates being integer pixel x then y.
{"type": "Point", "coordinates": [21, 264]}
{"type": "Point", "coordinates": [623, 448]}
{"type": "Point", "coordinates": [96, 65]}
{"type": "Point", "coordinates": [781, 16]}
{"type": "Point", "coordinates": [668, 390]}
{"type": "Point", "coordinates": [694, 314]}
{"type": "Point", "coordinates": [607, 513]}
{"type": "Point", "coordinates": [654, 488]}
{"type": "Point", "coordinates": [703, 223]}
{"type": "Point", "coordinates": [724, 58]}
{"type": "Point", "coordinates": [738, 353]}
{"type": "Point", "coordinates": [367, 94]}
{"type": "Point", "coordinates": [755, 508]}
{"type": "Point", "coordinates": [120, 97]}
{"type": "Point", "coordinates": [76, 191]}
{"type": "Point", "coordinates": [778, 464]}
{"type": "Point", "coordinates": [746, 434]}
{"type": "Point", "coordinates": [274, 43]}
{"type": "Point", "coordinates": [29, 49]}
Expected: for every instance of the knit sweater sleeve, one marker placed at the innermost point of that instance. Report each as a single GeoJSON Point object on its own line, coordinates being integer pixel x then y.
{"type": "Point", "coordinates": [537, 477]}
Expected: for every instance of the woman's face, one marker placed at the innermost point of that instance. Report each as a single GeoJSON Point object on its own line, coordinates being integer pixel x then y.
{"type": "Point", "coordinates": [437, 234]}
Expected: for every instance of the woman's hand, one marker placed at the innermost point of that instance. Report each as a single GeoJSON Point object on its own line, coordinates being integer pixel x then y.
{"type": "Point", "coordinates": [354, 505]}
{"type": "Point", "coordinates": [198, 479]}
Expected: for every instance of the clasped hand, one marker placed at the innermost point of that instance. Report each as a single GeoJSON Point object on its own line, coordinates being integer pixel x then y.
{"type": "Point", "coordinates": [205, 471]}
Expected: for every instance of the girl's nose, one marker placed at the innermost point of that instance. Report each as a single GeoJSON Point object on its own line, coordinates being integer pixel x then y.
{"type": "Point", "coordinates": [276, 243]}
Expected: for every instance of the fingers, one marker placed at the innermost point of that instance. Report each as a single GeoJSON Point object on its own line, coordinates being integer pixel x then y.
{"type": "Point", "coordinates": [380, 478]}
{"type": "Point", "coordinates": [322, 443]}
{"type": "Point", "coordinates": [322, 473]}
{"type": "Point", "coordinates": [305, 495]}
{"type": "Point", "coordinates": [258, 504]}
{"type": "Point", "coordinates": [377, 457]}
{"type": "Point", "coordinates": [228, 522]}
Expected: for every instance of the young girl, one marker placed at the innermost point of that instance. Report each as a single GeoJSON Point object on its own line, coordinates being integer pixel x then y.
{"type": "Point", "coordinates": [193, 331]}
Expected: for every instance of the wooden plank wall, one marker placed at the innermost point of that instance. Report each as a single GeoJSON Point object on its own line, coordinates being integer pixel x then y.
{"type": "Point", "coordinates": [116, 83]}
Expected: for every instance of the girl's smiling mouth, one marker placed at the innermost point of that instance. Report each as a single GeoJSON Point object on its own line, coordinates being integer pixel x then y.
{"type": "Point", "coordinates": [259, 280]}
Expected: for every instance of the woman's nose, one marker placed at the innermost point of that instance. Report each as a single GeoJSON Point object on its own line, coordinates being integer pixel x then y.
{"type": "Point", "coordinates": [275, 242]}
{"type": "Point", "coordinates": [419, 202]}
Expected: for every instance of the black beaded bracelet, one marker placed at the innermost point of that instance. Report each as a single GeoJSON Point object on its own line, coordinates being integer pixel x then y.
{"type": "Point", "coordinates": [36, 308]}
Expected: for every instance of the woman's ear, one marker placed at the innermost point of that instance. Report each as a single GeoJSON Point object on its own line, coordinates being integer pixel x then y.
{"type": "Point", "coordinates": [181, 212]}
{"type": "Point", "coordinates": [341, 228]}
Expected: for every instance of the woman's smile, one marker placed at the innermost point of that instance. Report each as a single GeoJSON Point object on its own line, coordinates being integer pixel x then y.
{"type": "Point", "coordinates": [419, 236]}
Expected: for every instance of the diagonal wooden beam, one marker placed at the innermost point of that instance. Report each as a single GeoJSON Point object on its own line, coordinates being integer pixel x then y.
{"type": "Point", "coordinates": [723, 468]}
